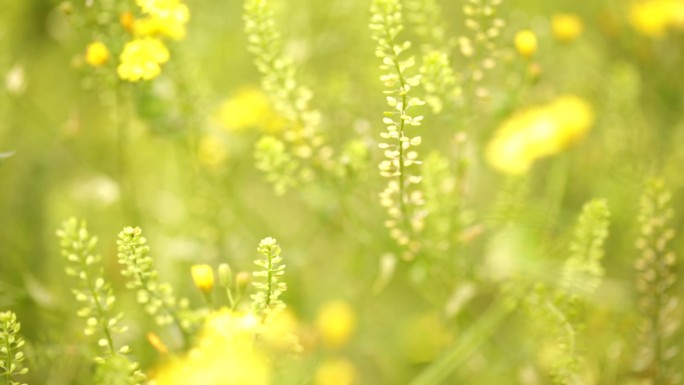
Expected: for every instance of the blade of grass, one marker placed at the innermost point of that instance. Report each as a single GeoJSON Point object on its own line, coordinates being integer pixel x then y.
{"type": "Point", "coordinates": [448, 363]}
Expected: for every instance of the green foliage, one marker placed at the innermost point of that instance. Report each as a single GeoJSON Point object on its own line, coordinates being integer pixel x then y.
{"type": "Point", "coordinates": [269, 285]}
{"type": "Point", "coordinates": [582, 272]}
{"type": "Point", "coordinates": [410, 275]}
{"type": "Point", "coordinates": [11, 354]}
{"type": "Point", "coordinates": [655, 283]}
{"type": "Point", "coordinates": [559, 311]}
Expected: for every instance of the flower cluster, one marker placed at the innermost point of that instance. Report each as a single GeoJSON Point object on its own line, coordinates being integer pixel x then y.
{"type": "Point", "coordinates": [97, 297]}
{"type": "Point", "coordinates": [656, 268]}
{"type": "Point", "coordinates": [157, 298]}
{"type": "Point", "coordinates": [11, 355]}
{"type": "Point", "coordinates": [302, 140]}
{"type": "Point", "coordinates": [566, 27]}
{"type": "Point", "coordinates": [269, 285]}
{"type": "Point", "coordinates": [143, 56]}
{"type": "Point", "coordinates": [539, 132]}
{"type": "Point", "coordinates": [479, 45]}
{"type": "Point", "coordinates": [655, 17]}
{"type": "Point", "coordinates": [402, 197]}
{"type": "Point", "coordinates": [224, 354]}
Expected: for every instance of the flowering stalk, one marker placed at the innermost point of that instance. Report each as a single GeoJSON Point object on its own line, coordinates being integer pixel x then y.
{"type": "Point", "coordinates": [11, 356]}
{"type": "Point", "coordinates": [402, 198]}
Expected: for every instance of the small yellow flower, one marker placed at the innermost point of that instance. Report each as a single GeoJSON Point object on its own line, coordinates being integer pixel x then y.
{"type": "Point", "coordinates": [225, 354]}
{"type": "Point", "coordinates": [566, 27]}
{"type": "Point", "coordinates": [654, 17]}
{"type": "Point", "coordinates": [526, 43]}
{"type": "Point", "coordinates": [335, 323]}
{"type": "Point", "coordinates": [127, 20]}
{"type": "Point", "coordinates": [539, 132]}
{"type": "Point", "coordinates": [164, 17]}
{"type": "Point", "coordinates": [203, 277]}
{"type": "Point", "coordinates": [141, 59]}
{"type": "Point", "coordinates": [248, 108]}
{"type": "Point", "coordinates": [335, 372]}
{"type": "Point", "coordinates": [97, 54]}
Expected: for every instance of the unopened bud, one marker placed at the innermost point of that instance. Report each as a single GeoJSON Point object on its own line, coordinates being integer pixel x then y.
{"type": "Point", "coordinates": [225, 275]}
{"type": "Point", "coordinates": [241, 281]}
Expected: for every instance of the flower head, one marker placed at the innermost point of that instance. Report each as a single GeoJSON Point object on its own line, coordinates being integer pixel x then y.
{"type": "Point", "coordinates": [526, 43]}
{"type": "Point", "coordinates": [164, 18]}
{"type": "Point", "coordinates": [335, 323]}
{"type": "Point", "coordinates": [141, 59]}
{"type": "Point", "coordinates": [566, 27]}
{"type": "Point", "coordinates": [97, 54]}
{"type": "Point", "coordinates": [203, 277]}
{"type": "Point", "coordinates": [654, 17]}
{"type": "Point", "coordinates": [539, 132]}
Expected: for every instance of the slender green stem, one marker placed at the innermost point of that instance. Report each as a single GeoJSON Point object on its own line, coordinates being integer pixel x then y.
{"type": "Point", "coordinates": [102, 315]}
{"type": "Point", "coordinates": [440, 370]}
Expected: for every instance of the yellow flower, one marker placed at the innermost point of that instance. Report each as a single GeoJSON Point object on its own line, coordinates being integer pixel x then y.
{"type": "Point", "coordinates": [211, 151]}
{"type": "Point", "coordinates": [566, 27]}
{"type": "Point", "coordinates": [142, 59]}
{"type": "Point", "coordinates": [97, 54]}
{"type": "Point", "coordinates": [335, 372]}
{"type": "Point", "coordinates": [654, 17]}
{"type": "Point", "coordinates": [224, 355]}
{"type": "Point", "coordinates": [526, 43]}
{"type": "Point", "coordinates": [164, 17]}
{"type": "Point", "coordinates": [203, 276]}
{"type": "Point", "coordinates": [335, 323]}
{"type": "Point", "coordinates": [539, 132]}
{"type": "Point", "coordinates": [247, 109]}
{"type": "Point", "coordinates": [127, 20]}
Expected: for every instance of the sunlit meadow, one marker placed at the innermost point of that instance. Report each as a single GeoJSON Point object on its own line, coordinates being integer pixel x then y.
{"type": "Point", "coordinates": [341, 192]}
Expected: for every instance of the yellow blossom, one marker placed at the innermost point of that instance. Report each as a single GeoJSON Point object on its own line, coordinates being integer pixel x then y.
{"type": "Point", "coordinates": [335, 323]}
{"type": "Point", "coordinates": [654, 17]}
{"type": "Point", "coordinates": [163, 17]}
{"type": "Point", "coordinates": [203, 276]}
{"type": "Point", "coordinates": [539, 132]}
{"type": "Point", "coordinates": [247, 109]}
{"type": "Point", "coordinates": [526, 43]}
{"type": "Point", "coordinates": [211, 151]}
{"type": "Point", "coordinates": [335, 372]}
{"type": "Point", "coordinates": [97, 54]}
{"type": "Point", "coordinates": [141, 59]}
{"type": "Point", "coordinates": [127, 20]}
{"type": "Point", "coordinates": [566, 27]}
{"type": "Point", "coordinates": [224, 355]}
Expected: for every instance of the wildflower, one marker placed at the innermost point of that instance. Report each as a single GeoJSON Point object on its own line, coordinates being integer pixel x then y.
{"type": "Point", "coordinates": [539, 132]}
{"type": "Point", "coordinates": [97, 54]}
{"type": "Point", "coordinates": [335, 372]}
{"type": "Point", "coordinates": [142, 59]}
{"type": "Point", "coordinates": [224, 354]}
{"type": "Point", "coordinates": [203, 277]}
{"type": "Point", "coordinates": [566, 27]}
{"type": "Point", "coordinates": [164, 18]}
{"type": "Point", "coordinates": [248, 108]}
{"type": "Point", "coordinates": [127, 21]}
{"type": "Point", "coordinates": [526, 43]}
{"type": "Point", "coordinates": [335, 323]}
{"type": "Point", "coordinates": [654, 17]}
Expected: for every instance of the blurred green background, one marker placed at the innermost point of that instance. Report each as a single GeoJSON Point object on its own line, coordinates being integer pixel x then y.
{"type": "Point", "coordinates": [158, 155]}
